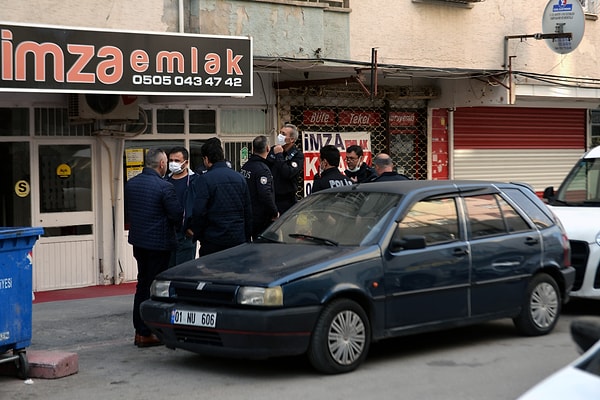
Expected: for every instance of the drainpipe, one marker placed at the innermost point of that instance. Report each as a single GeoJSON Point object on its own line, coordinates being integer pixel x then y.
{"type": "Point", "coordinates": [451, 143]}
{"type": "Point", "coordinates": [181, 24]}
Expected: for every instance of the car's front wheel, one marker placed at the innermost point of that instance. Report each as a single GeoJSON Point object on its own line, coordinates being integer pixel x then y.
{"type": "Point", "coordinates": [341, 339]}
{"type": "Point", "coordinates": [541, 307]}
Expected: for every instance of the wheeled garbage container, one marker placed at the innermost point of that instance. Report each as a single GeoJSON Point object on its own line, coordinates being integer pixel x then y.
{"type": "Point", "coordinates": [16, 244]}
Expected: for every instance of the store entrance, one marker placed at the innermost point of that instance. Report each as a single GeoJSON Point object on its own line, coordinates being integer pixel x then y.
{"type": "Point", "coordinates": [64, 207]}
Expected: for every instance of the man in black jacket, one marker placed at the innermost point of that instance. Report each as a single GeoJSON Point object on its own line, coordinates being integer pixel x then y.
{"type": "Point", "coordinates": [330, 176]}
{"type": "Point", "coordinates": [358, 171]}
{"type": "Point", "coordinates": [287, 164]}
{"type": "Point", "coordinates": [260, 183]}
{"type": "Point", "coordinates": [222, 212]}
{"type": "Point", "coordinates": [154, 213]}
{"type": "Point", "coordinates": [182, 178]}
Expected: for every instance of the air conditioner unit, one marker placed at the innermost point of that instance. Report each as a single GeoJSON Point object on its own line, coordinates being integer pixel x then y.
{"type": "Point", "coordinates": [103, 107]}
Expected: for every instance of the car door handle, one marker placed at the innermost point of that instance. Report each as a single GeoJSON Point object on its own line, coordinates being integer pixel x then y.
{"type": "Point", "coordinates": [506, 264]}
{"type": "Point", "coordinates": [460, 252]}
{"type": "Point", "coordinates": [531, 241]}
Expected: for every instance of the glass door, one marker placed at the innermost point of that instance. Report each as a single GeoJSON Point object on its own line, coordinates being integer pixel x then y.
{"type": "Point", "coordinates": [66, 255]}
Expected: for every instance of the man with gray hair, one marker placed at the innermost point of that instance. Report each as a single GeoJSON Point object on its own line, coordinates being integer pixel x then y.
{"type": "Point", "coordinates": [154, 213]}
{"type": "Point", "coordinates": [287, 163]}
{"type": "Point", "coordinates": [384, 168]}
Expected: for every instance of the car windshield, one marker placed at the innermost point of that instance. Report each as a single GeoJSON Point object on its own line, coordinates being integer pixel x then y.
{"type": "Point", "coordinates": [581, 185]}
{"type": "Point", "coordinates": [332, 219]}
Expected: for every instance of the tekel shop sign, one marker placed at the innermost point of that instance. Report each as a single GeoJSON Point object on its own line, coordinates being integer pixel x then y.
{"type": "Point", "coordinates": [58, 59]}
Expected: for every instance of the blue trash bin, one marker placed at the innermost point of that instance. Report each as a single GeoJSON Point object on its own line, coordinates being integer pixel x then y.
{"type": "Point", "coordinates": [16, 294]}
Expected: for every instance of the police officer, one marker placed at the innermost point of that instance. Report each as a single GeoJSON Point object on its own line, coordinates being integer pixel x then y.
{"type": "Point", "coordinates": [260, 183]}
{"type": "Point", "coordinates": [329, 175]}
{"type": "Point", "coordinates": [287, 163]}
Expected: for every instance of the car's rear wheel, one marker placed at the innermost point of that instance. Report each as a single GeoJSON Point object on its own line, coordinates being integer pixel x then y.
{"type": "Point", "coordinates": [541, 307]}
{"type": "Point", "coordinates": [341, 339]}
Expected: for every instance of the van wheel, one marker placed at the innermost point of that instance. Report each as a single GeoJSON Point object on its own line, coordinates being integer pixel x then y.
{"type": "Point", "coordinates": [341, 338]}
{"type": "Point", "coordinates": [541, 307]}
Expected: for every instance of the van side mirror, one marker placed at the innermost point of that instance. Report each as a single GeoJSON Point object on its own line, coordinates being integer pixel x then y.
{"type": "Point", "coordinates": [408, 242]}
{"type": "Point", "coordinates": [549, 193]}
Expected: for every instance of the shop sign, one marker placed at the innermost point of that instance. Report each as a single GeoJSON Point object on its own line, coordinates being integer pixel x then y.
{"type": "Point", "coordinates": [398, 118]}
{"type": "Point", "coordinates": [40, 58]}
{"type": "Point", "coordinates": [359, 118]}
{"type": "Point", "coordinates": [319, 117]}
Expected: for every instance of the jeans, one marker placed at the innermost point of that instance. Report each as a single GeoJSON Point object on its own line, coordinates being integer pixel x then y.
{"type": "Point", "coordinates": [186, 250]}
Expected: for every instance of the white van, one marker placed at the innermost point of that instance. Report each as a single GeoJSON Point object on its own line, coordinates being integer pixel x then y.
{"type": "Point", "coordinates": [577, 205]}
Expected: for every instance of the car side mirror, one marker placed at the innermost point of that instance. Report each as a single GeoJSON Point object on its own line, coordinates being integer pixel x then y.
{"type": "Point", "coordinates": [549, 193]}
{"type": "Point", "coordinates": [408, 242]}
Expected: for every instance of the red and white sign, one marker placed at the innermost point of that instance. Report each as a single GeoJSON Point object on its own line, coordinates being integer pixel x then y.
{"type": "Point", "coordinates": [360, 118]}
{"type": "Point", "coordinates": [399, 118]}
{"type": "Point", "coordinates": [312, 142]}
{"type": "Point", "coordinates": [318, 117]}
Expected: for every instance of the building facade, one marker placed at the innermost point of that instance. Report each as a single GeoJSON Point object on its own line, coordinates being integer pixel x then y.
{"type": "Point", "coordinates": [451, 89]}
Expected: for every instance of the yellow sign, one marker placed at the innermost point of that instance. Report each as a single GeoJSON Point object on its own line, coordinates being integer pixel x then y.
{"type": "Point", "coordinates": [134, 157]}
{"type": "Point", "coordinates": [63, 171]}
{"type": "Point", "coordinates": [22, 188]}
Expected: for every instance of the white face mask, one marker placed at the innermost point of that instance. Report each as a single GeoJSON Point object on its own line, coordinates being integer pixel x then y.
{"type": "Point", "coordinates": [175, 167]}
{"type": "Point", "coordinates": [281, 139]}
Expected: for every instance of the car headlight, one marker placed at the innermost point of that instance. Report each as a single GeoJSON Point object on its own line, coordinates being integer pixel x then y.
{"type": "Point", "coordinates": [160, 288]}
{"type": "Point", "coordinates": [259, 296]}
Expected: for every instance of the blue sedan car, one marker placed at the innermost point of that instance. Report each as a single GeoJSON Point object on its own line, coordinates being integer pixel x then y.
{"type": "Point", "coordinates": [349, 266]}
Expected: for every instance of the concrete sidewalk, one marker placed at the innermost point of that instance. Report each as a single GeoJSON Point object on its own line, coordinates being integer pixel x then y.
{"type": "Point", "coordinates": [52, 364]}
{"type": "Point", "coordinates": [98, 330]}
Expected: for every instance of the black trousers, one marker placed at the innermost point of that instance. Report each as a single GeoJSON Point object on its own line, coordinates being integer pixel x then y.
{"type": "Point", "coordinates": [150, 263]}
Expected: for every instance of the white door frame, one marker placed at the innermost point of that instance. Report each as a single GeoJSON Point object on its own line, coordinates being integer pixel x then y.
{"type": "Point", "coordinates": [62, 262]}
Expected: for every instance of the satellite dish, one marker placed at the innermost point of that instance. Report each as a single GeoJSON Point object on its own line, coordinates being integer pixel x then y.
{"type": "Point", "coordinates": [563, 16]}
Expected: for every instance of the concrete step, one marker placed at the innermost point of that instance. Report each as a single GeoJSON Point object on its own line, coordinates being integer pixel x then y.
{"type": "Point", "coordinates": [45, 364]}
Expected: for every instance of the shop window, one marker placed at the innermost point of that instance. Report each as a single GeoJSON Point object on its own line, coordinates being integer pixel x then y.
{"type": "Point", "coordinates": [15, 185]}
{"type": "Point", "coordinates": [250, 122]}
{"type": "Point", "coordinates": [14, 122]}
{"type": "Point", "coordinates": [202, 121]}
{"type": "Point", "coordinates": [65, 178]}
{"type": "Point", "coordinates": [170, 121]}
{"type": "Point", "coordinates": [55, 122]}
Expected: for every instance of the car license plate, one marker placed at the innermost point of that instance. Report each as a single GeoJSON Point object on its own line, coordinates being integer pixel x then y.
{"type": "Point", "coordinates": [194, 318]}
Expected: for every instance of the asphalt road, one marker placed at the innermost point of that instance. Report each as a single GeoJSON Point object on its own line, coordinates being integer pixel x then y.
{"type": "Point", "coordinates": [488, 361]}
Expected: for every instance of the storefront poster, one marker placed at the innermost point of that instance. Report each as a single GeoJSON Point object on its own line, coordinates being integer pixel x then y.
{"type": "Point", "coordinates": [312, 142]}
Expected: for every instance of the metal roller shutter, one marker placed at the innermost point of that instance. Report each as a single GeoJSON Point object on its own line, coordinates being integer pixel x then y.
{"type": "Point", "coordinates": [534, 145]}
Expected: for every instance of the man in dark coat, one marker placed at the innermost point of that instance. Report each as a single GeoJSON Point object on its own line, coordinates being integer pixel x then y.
{"type": "Point", "coordinates": [260, 183]}
{"type": "Point", "coordinates": [287, 164]}
{"type": "Point", "coordinates": [182, 178]}
{"type": "Point", "coordinates": [358, 171]}
{"type": "Point", "coordinates": [384, 167]}
{"type": "Point", "coordinates": [154, 214]}
{"type": "Point", "coordinates": [222, 213]}
{"type": "Point", "coordinates": [330, 175]}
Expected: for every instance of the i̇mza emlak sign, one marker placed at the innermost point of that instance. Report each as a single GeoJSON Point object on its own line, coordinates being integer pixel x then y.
{"type": "Point", "coordinates": [59, 59]}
